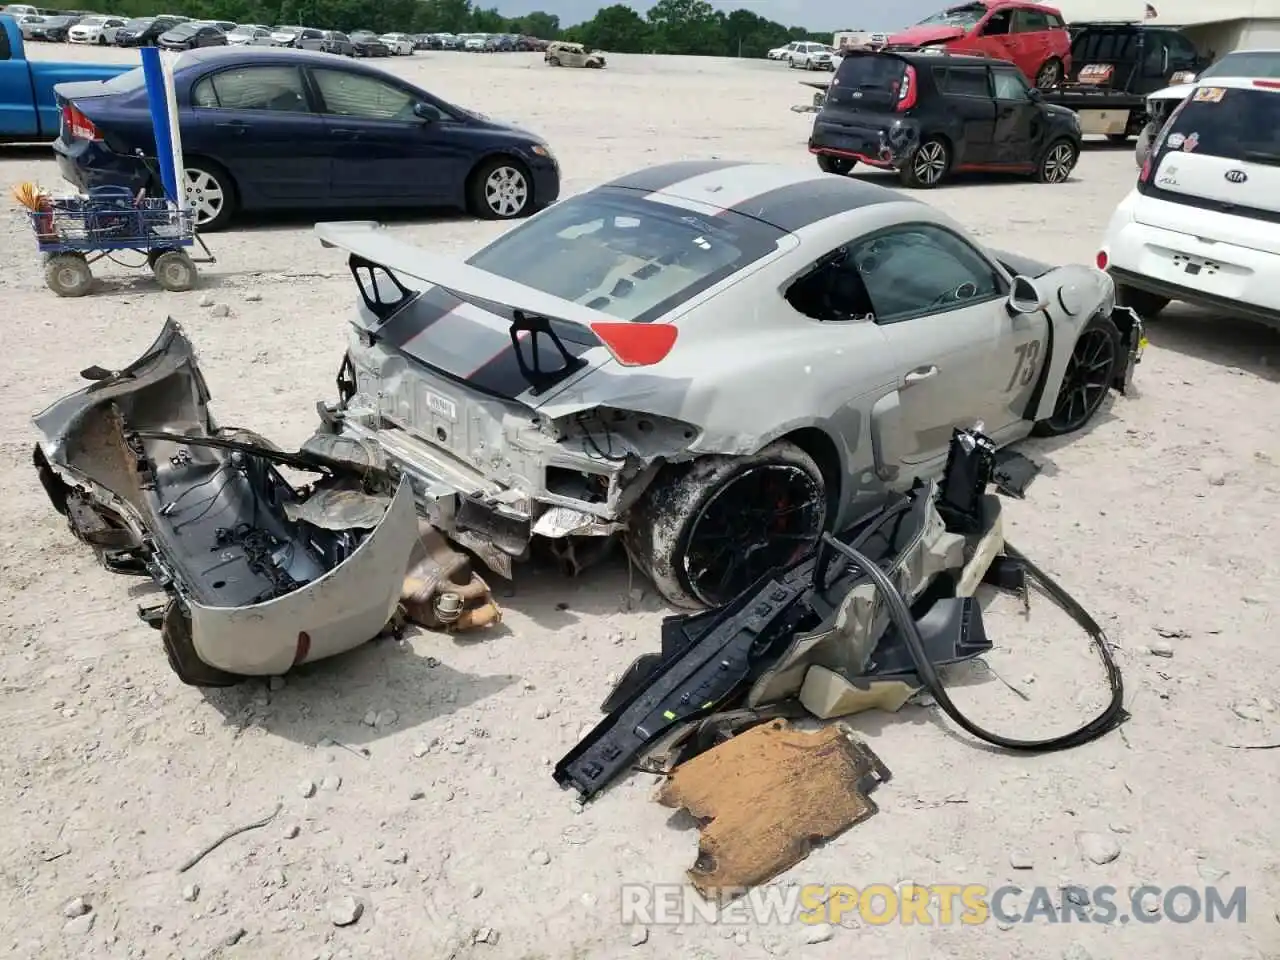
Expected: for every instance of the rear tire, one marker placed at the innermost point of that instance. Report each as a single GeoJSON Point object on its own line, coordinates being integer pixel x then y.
{"type": "Point", "coordinates": [678, 534]}
{"type": "Point", "coordinates": [68, 274]}
{"type": "Point", "coordinates": [837, 165]}
{"type": "Point", "coordinates": [1147, 305]}
{"type": "Point", "coordinates": [927, 166]}
{"type": "Point", "coordinates": [210, 193]}
{"type": "Point", "coordinates": [1049, 74]}
{"type": "Point", "coordinates": [174, 271]}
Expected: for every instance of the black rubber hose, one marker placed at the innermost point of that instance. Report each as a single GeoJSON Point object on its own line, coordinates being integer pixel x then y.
{"type": "Point", "coordinates": [1111, 717]}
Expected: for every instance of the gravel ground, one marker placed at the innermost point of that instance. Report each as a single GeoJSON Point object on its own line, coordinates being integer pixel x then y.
{"type": "Point", "coordinates": [451, 835]}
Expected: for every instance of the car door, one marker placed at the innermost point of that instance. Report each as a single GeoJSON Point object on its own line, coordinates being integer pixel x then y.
{"type": "Point", "coordinates": [940, 303]}
{"type": "Point", "coordinates": [1030, 40]}
{"type": "Point", "coordinates": [967, 92]}
{"type": "Point", "coordinates": [992, 36]}
{"type": "Point", "coordinates": [1018, 119]}
{"type": "Point", "coordinates": [258, 122]}
{"type": "Point", "coordinates": [384, 153]}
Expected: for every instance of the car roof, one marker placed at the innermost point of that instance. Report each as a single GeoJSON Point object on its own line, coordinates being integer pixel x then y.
{"type": "Point", "coordinates": [919, 57]}
{"type": "Point", "coordinates": [205, 55]}
{"type": "Point", "coordinates": [788, 198]}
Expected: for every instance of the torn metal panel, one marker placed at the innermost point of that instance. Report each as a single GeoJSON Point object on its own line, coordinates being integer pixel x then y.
{"type": "Point", "coordinates": [260, 575]}
{"type": "Point", "coordinates": [766, 797]}
{"type": "Point", "coordinates": [341, 609]}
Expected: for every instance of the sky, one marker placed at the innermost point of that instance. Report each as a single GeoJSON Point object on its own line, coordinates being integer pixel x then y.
{"type": "Point", "coordinates": [814, 14]}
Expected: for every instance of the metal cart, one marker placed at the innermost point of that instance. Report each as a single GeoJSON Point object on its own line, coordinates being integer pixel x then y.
{"type": "Point", "coordinates": [73, 232]}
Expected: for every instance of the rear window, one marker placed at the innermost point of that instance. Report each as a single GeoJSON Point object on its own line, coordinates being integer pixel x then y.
{"type": "Point", "coordinates": [126, 82]}
{"type": "Point", "coordinates": [867, 79]}
{"type": "Point", "coordinates": [630, 258]}
{"type": "Point", "coordinates": [1230, 123]}
{"type": "Point", "coordinates": [1104, 46]}
{"type": "Point", "coordinates": [1245, 64]}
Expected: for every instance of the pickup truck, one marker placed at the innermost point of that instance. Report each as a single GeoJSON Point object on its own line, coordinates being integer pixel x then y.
{"type": "Point", "coordinates": [28, 112]}
{"type": "Point", "coordinates": [1115, 66]}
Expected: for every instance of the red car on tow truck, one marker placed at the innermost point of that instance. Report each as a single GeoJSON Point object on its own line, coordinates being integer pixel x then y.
{"type": "Point", "coordinates": [1031, 35]}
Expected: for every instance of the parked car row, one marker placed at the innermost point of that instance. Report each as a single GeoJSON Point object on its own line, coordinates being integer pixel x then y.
{"type": "Point", "coordinates": [187, 34]}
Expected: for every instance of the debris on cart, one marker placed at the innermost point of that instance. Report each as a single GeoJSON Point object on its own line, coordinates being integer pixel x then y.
{"type": "Point", "coordinates": [863, 621]}
{"type": "Point", "coordinates": [76, 230]}
{"type": "Point", "coordinates": [766, 797]}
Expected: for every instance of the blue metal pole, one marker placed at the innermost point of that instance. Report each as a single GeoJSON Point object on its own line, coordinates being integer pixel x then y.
{"type": "Point", "coordinates": [154, 77]}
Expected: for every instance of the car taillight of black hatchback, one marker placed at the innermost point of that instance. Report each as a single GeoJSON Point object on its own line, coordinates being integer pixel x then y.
{"type": "Point", "coordinates": [907, 91]}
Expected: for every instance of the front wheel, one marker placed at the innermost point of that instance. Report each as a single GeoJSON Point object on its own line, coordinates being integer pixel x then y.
{"type": "Point", "coordinates": [1058, 162]}
{"type": "Point", "coordinates": [554, 61]}
{"type": "Point", "coordinates": [500, 189]}
{"type": "Point", "coordinates": [705, 531]}
{"type": "Point", "coordinates": [1095, 358]}
{"type": "Point", "coordinates": [927, 165]}
{"type": "Point", "coordinates": [68, 274]}
{"type": "Point", "coordinates": [837, 165]}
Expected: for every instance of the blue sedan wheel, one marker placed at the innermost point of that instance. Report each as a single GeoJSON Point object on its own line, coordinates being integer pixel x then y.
{"type": "Point", "coordinates": [501, 190]}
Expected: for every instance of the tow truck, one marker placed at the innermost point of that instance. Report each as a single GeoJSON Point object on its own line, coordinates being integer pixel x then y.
{"type": "Point", "coordinates": [1115, 66]}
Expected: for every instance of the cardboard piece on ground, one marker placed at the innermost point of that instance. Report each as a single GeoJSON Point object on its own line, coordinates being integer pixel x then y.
{"type": "Point", "coordinates": [764, 797]}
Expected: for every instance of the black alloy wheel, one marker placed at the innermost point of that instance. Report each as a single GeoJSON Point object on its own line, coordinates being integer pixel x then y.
{"type": "Point", "coordinates": [766, 517]}
{"type": "Point", "coordinates": [1088, 377]}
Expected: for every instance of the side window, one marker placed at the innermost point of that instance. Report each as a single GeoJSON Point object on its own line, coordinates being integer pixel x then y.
{"type": "Point", "coordinates": [5, 52]}
{"type": "Point", "coordinates": [341, 38]}
{"type": "Point", "coordinates": [968, 82]}
{"type": "Point", "coordinates": [1182, 52]}
{"type": "Point", "coordinates": [1009, 85]}
{"type": "Point", "coordinates": [997, 24]}
{"type": "Point", "coordinates": [831, 290]}
{"type": "Point", "coordinates": [365, 97]}
{"type": "Point", "coordinates": [922, 269]}
{"type": "Point", "coordinates": [253, 88]}
{"type": "Point", "coordinates": [1029, 21]}
{"type": "Point", "coordinates": [1054, 22]}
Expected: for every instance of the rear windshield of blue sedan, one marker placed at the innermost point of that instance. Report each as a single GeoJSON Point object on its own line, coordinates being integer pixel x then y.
{"type": "Point", "coordinates": [625, 256]}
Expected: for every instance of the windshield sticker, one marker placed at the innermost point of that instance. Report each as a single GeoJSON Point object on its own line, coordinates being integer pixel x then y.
{"type": "Point", "coordinates": [1209, 95]}
{"type": "Point", "coordinates": [1176, 140]}
{"type": "Point", "coordinates": [1191, 143]}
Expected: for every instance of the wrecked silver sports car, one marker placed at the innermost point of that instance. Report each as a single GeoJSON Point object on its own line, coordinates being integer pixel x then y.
{"type": "Point", "coordinates": [259, 576]}
{"type": "Point", "coordinates": [718, 359]}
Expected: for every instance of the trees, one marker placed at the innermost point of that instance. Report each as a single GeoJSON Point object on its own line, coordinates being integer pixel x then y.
{"type": "Point", "coordinates": [671, 26]}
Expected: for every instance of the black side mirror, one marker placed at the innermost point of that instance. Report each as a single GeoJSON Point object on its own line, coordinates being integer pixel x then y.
{"type": "Point", "coordinates": [426, 112]}
{"type": "Point", "coordinates": [1034, 94]}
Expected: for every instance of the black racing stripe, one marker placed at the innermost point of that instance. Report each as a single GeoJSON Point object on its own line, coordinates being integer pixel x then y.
{"type": "Point", "coordinates": [669, 174]}
{"type": "Point", "coordinates": [501, 375]}
{"type": "Point", "coordinates": [425, 310]}
{"type": "Point", "coordinates": [798, 205]}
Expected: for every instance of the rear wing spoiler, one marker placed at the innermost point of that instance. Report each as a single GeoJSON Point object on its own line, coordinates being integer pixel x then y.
{"type": "Point", "coordinates": [370, 247]}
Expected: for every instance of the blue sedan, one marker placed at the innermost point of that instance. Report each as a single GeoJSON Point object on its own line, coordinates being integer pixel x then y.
{"type": "Point", "coordinates": [266, 128]}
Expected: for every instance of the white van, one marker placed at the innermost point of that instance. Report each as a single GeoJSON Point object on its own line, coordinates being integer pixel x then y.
{"type": "Point", "coordinates": [1202, 225]}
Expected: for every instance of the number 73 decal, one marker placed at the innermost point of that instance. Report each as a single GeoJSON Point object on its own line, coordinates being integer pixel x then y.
{"type": "Point", "coordinates": [1024, 368]}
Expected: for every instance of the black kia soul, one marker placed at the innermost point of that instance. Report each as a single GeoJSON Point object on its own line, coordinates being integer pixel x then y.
{"type": "Point", "coordinates": [929, 115]}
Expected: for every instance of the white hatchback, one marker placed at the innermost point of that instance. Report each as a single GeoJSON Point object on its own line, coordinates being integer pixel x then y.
{"type": "Point", "coordinates": [1202, 225]}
